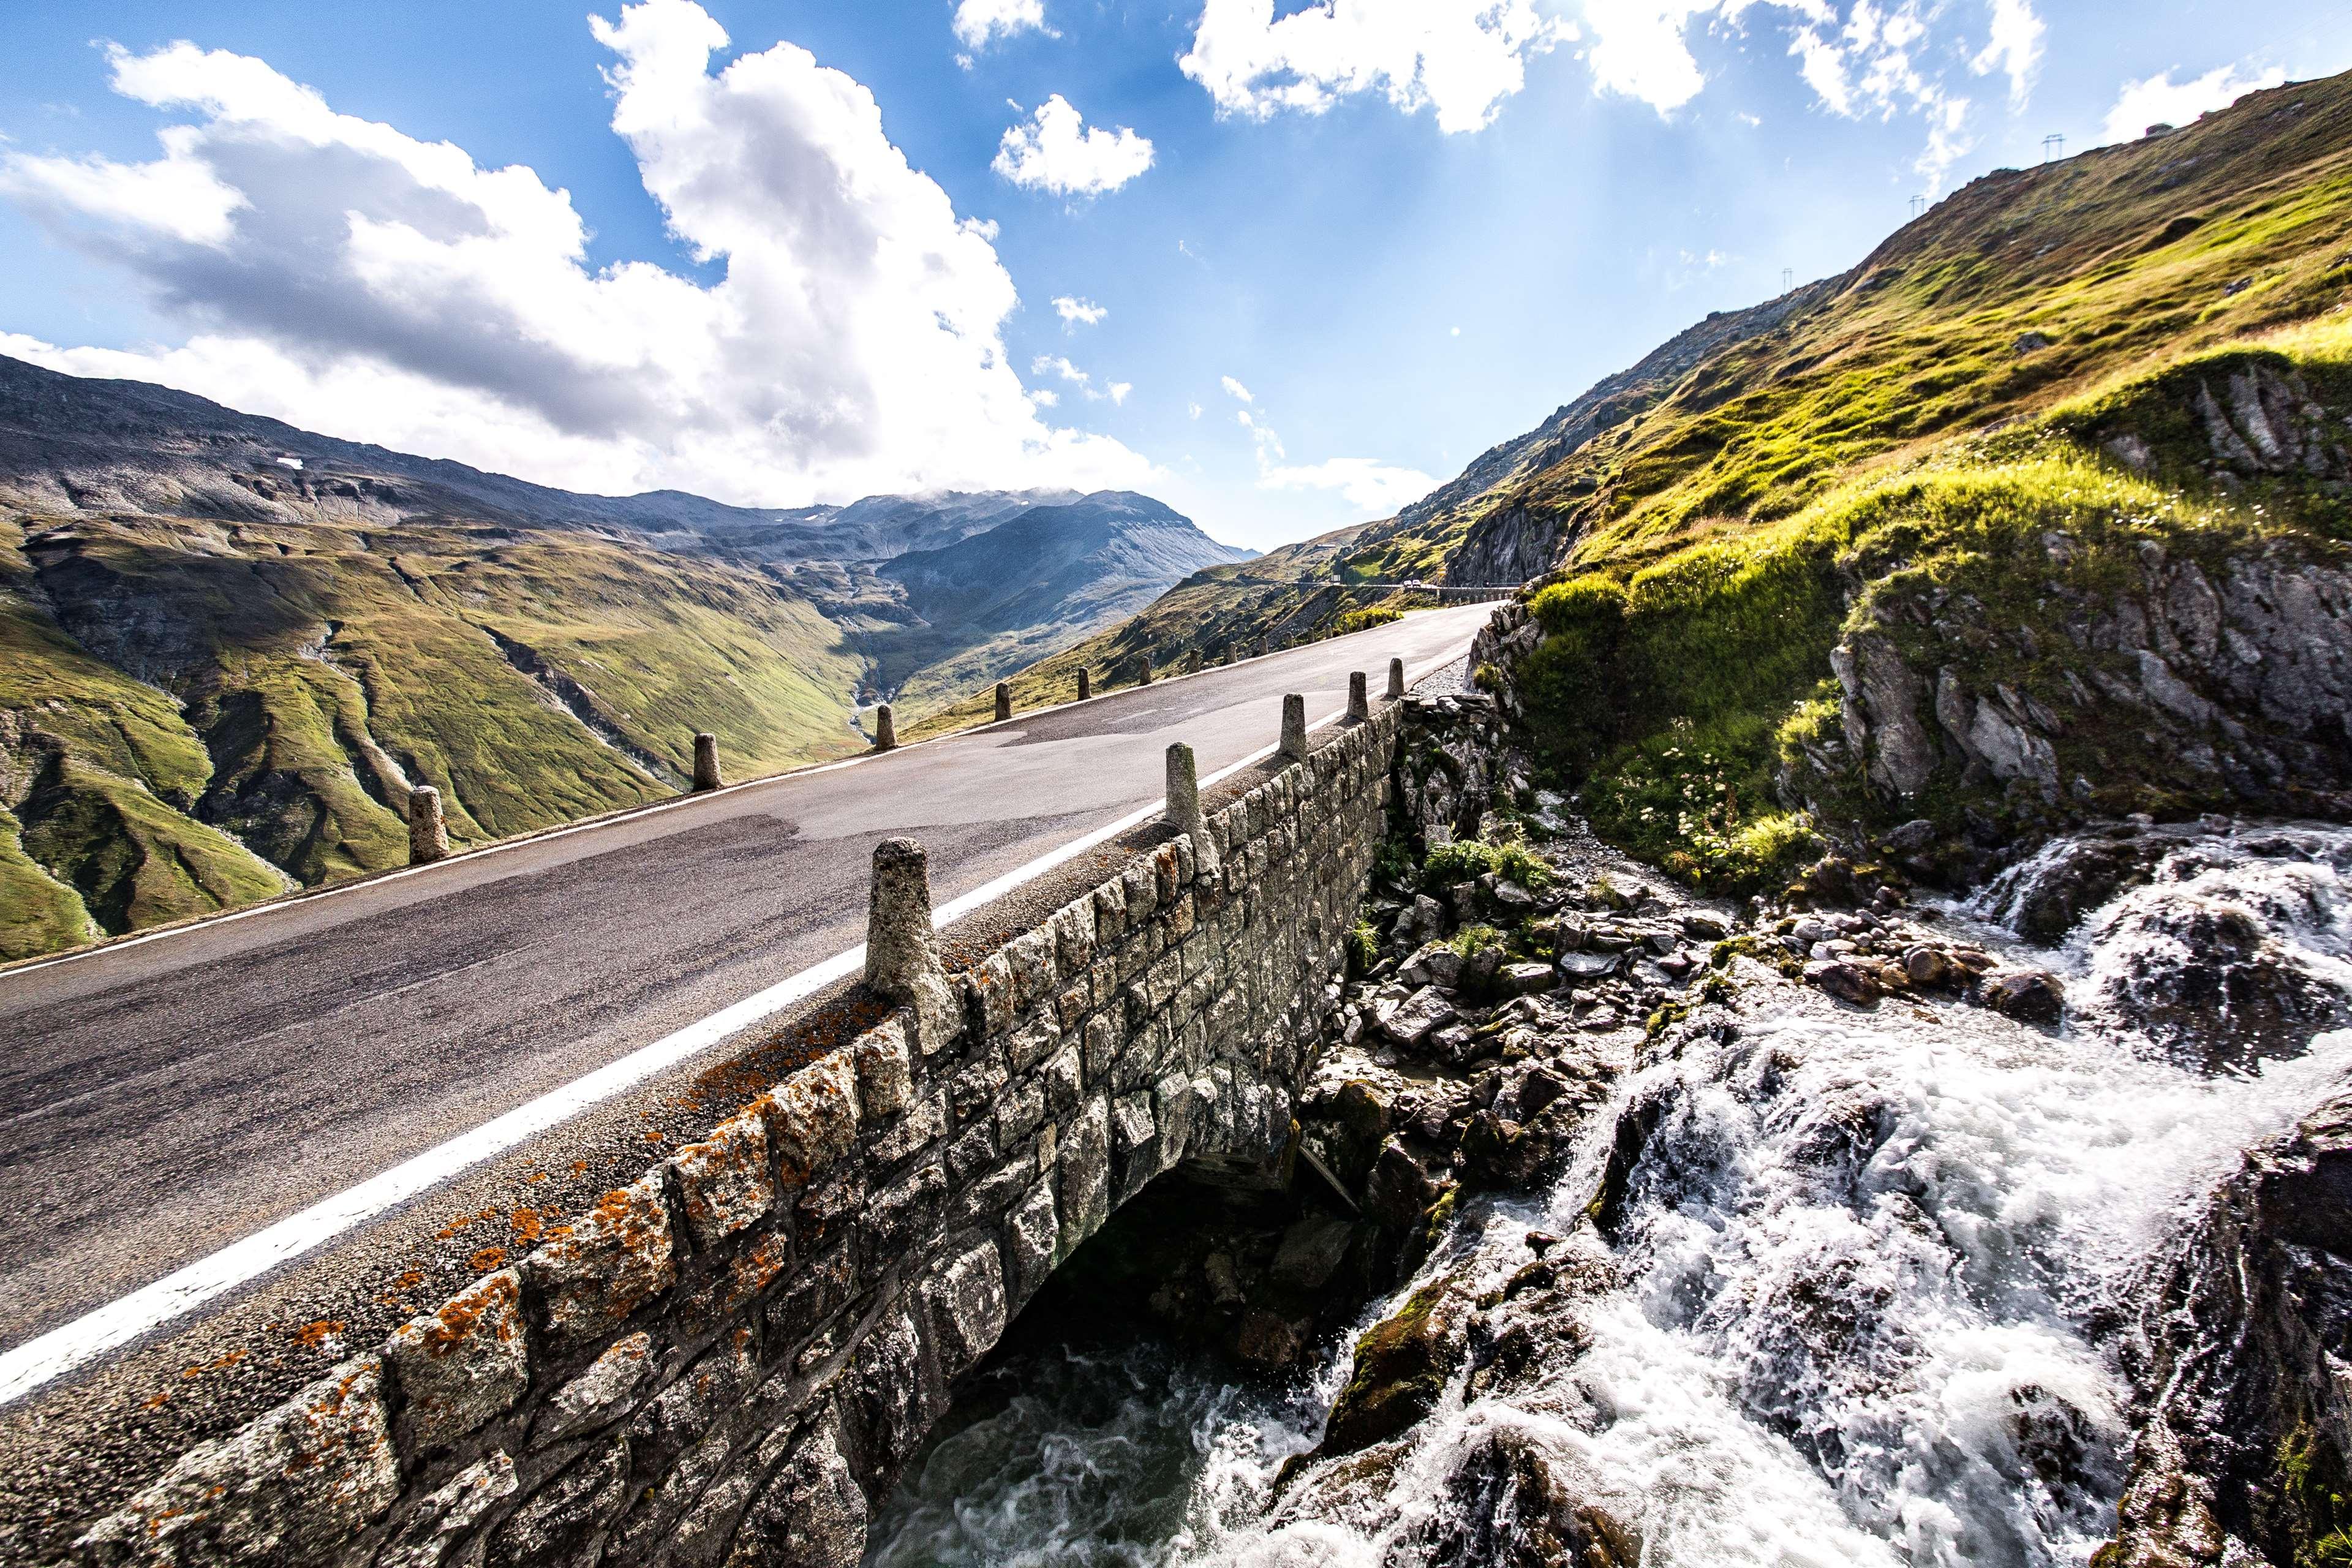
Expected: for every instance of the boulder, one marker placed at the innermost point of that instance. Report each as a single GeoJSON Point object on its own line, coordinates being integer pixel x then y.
{"type": "Point", "coordinates": [1409, 1022]}
{"type": "Point", "coordinates": [1846, 981]}
{"type": "Point", "coordinates": [1512, 1502]}
{"type": "Point", "coordinates": [2245, 1451]}
{"type": "Point", "coordinates": [1402, 1367]}
{"type": "Point", "coordinates": [2028, 995]}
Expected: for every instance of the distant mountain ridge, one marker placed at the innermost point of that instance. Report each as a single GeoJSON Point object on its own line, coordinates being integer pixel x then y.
{"type": "Point", "coordinates": [229, 648]}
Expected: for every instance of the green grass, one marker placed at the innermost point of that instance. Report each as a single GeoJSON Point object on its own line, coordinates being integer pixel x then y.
{"type": "Point", "coordinates": [224, 702]}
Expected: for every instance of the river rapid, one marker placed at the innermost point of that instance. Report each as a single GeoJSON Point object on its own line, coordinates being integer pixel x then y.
{"type": "Point", "coordinates": [1868, 1277]}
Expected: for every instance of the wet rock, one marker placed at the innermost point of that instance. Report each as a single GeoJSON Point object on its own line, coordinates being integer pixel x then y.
{"type": "Point", "coordinates": [1845, 981]}
{"type": "Point", "coordinates": [2048, 896]}
{"type": "Point", "coordinates": [1402, 1366]}
{"type": "Point", "coordinates": [2242, 1456]}
{"type": "Point", "coordinates": [1270, 1342]}
{"type": "Point", "coordinates": [2028, 995]}
{"type": "Point", "coordinates": [1511, 1502]}
{"type": "Point", "coordinates": [2204, 981]}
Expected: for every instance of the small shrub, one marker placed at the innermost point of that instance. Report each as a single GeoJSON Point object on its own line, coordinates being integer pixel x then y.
{"type": "Point", "coordinates": [1467, 861]}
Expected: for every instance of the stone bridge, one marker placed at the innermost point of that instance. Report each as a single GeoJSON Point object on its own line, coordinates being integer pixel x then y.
{"type": "Point", "coordinates": [730, 1361]}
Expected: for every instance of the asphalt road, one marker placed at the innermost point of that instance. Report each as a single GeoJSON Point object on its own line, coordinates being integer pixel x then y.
{"type": "Point", "coordinates": [163, 1099]}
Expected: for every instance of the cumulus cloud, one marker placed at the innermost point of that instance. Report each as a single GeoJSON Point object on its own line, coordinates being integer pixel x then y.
{"type": "Point", "coordinates": [2160, 101]}
{"type": "Point", "coordinates": [339, 273]}
{"type": "Point", "coordinates": [2014, 47]}
{"type": "Point", "coordinates": [1378, 488]}
{"type": "Point", "coordinates": [1638, 49]}
{"type": "Point", "coordinates": [1055, 149]}
{"type": "Point", "coordinates": [978, 21]}
{"type": "Point", "coordinates": [1878, 58]}
{"type": "Point", "coordinates": [1078, 312]}
{"type": "Point", "coordinates": [1460, 58]}
{"type": "Point", "coordinates": [1235, 390]}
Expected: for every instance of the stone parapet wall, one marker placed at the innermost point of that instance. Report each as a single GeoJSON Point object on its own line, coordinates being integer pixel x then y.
{"type": "Point", "coordinates": [731, 1360]}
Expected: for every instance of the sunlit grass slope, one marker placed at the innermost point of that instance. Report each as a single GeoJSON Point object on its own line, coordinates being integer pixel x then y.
{"type": "Point", "coordinates": [197, 714]}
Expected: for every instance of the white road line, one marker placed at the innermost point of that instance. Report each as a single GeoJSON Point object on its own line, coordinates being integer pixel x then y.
{"type": "Point", "coordinates": [38, 1361]}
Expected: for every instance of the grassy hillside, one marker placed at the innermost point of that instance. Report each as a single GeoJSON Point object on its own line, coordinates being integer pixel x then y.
{"type": "Point", "coordinates": [196, 713]}
{"type": "Point", "coordinates": [1994, 460]}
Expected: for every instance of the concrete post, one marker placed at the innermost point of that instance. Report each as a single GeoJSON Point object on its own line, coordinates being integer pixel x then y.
{"type": "Point", "coordinates": [1265, 646]}
{"type": "Point", "coordinates": [1003, 701]}
{"type": "Point", "coordinates": [1359, 705]}
{"type": "Point", "coordinates": [1146, 671]}
{"type": "Point", "coordinates": [706, 763]}
{"type": "Point", "coordinates": [429, 835]}
{"type": "Point", "coordinates": [1229, 653]}
{"type": "Point", "coordinates": [1184, 809]}
{"type": "Point", "coordinates": [1294, 728]}
{"type": "Point", "coordinates": [1396, 680]}
{"type": "Point", "coordinates": [886, 730]}
{"type": "Point", "coordinates": [1085, 687]}
{"type": "Point", "coordinates": [902, 954]}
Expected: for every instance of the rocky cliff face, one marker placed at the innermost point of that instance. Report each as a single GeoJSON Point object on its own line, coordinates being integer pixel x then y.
{"type": "Point", "coordinates": [2139, 666]}
{"type": "Point", "coordinates": [2248, 1441]}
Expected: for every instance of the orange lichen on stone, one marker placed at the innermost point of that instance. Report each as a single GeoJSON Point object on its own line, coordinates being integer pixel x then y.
{"type": "Point", "coordinates": [310, 1336]}
{"type": "Point", "coordinates": [489, 1257]}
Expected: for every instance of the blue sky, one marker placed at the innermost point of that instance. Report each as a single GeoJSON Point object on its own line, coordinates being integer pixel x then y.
{"type": "Point", "coordinates": [1316, 257]}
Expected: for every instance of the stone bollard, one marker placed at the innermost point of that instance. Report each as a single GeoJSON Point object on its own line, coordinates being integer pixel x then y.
{"type": "Point", "coordinates": [886, 730]}
{"type": "Point", "coordinates": [1184, 808]}
{"type": "Point", "coordinates": [1264, 646]}
{"type": "Point", "coordinates": [1396, 680]}
{"type": "Point", "coordinates": [1360, 704]}
{"type": "Point", "coordinates": [1146, 671]}
{"type": "Point", "coordinates": [1229, 653]}
{"type": "Point", "coordinates": [902, 952]}
{"type": "Point", "coordinates": [428, 835]}
{"type": "Point", "coordinates": [1003, 701]}
{"type": "Point", "coordinates": [1085, 687]}
{"type": "Point", "coordinates": [1294, 727]}
{"type": "Point", "coordinates": [706, 763]}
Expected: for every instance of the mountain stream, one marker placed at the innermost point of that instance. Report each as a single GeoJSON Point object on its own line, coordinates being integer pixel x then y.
{"type": "Point", "coordinates": [1864, 1282]}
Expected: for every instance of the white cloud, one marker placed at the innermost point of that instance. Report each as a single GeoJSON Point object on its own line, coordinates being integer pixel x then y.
{"type": "Point", "coordinates": [1193, 410]}
{"type": "Point", "coordinates": [1374, 487]}
{"type": "Point", "coordinates": [1078, 312]}
{"type": "Point", "coordinates": [1056, 151]}
{"type": "Point", "coordinates": [373, 286]}
{"type": "Point", "coordinates": [1858, 56]}
{"type": "Point", "coordinates": [2160, 101]}
{"type": "Point", "coordinates": [978, 21]}
{"type": "Point", "coordinates": [1055, 364]}
{"type": "Point", "coordinates": [1638, 49]}
{"type": "Point", "coordinates": [2015, 46]}
{"type": "Point", "coordinates": [1459, 58]}
{"type": "Point", "coordinates": [1234, 389]}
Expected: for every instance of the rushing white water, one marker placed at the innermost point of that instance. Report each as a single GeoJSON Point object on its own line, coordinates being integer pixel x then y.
{"type": "Point", "coordinates": [1870, 1262]}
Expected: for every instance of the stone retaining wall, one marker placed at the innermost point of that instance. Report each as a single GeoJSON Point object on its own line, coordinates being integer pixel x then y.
{"type": "Point", "coordinates": [730, 1361]}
